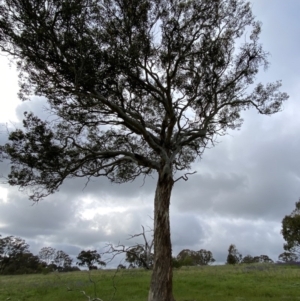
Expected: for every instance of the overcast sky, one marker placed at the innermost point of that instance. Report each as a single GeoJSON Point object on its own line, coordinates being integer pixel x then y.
{"type": "Point", "coordinates": [243, 188]}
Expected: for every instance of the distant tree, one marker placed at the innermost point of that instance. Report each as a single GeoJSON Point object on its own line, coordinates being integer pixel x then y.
{"type": "Point", "coordinates": [176, 263]}
{"type": "Point", "coordinates": [15, 257]}
{"type": "Point", "coordinates": [248, 259]}
{"type": "Point", "coordinates": [93, 267]}
{"type": "Point", "coordinates": [121, 266]}
{"type": "Point", "coordinates": [52, 267]}
{"type": "Point", "coordinates": [133, 256]}
{"type": "Point", "coordinates": [265, 259]}
{"type": "Point", "coordinates": [234, 256]}
{"type": "Point", "coordinates": [32, 263]}
{"type": "Point", "coordinates": [257, 259]}
{"type": "Point", "coordinates": [205, 257]}
{"type": "Point", "coordinates": [188, 257]}
{"type": "Point", "coordinates": [138, 257]}
{"type": "Point", "coordinates": [62, 261]}
{"type": "Point", "coordinates": [291, 230]}
{"type": "Point", "coordinates": [145, 249]}
{"type": "Point", "coordinates": [23, 263]}
{"type": "Point", "coordinates": [89, 259]}
{"type": "Point", "coordinates": [138, 87]}
{"type": "Point", "coordinates": [288, 257]}
{"type": "Point", "coordinates": [131, 266]}
{"type": "Point", "coordinates": [47, 255]}
{"type": "Point", "coordinates": [11, 249]}
{"type": "Point", "coordinates": [73, 269]}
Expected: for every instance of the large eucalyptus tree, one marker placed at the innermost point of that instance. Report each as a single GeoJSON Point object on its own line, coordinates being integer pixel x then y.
{"type": "Point", "coordinates": [138, 86]}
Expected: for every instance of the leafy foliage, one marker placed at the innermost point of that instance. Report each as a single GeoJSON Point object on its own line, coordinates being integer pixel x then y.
{"type": "Point", "coordinates": [89, 258]}
{"type": "Point", "coordinates": [137, 256]}
{"type": "Point", "coordinates": [256, 259]}
{"type": "Point", "coordinates": [47, 255]}
{"type": "Point", "coordinates": [128, 100]}
{"type": "Point", "coordinates": [62, 261]}
{"type": "Point", "coordinates": [234, 256]}
{"type": "Point", "coordinates": [264, 259]}
{"type": "Point", "coordinates": [121, 267]}
{"type": "Point", "coordinates": [248, 259]}
{"type": "Point", "coordinates": [188, 257]}
{"type": "Point", "coordinates": [12, 249]}
{"type": "Point", "coordinates": [288, 257]}
{"type": "Point", "coordinates": [15, 258]}
{"type": "Point", "coordinates": [291, 230]}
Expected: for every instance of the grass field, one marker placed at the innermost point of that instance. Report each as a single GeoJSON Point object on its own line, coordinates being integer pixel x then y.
{"type": "Point", "coordinates": [211, 283]}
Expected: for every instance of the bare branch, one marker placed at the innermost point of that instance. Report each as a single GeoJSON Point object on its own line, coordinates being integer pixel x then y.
{"type": "Point", "coordinates": [185, 176]}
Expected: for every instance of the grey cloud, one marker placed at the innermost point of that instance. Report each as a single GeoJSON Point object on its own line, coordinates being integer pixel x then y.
{"type": "Point", "coordinates": [251, 236]}
{"type": "Point", "coordinates": [187, 232]}
{"type": "Point", "coordinates": [56, 222]}
{"type": "Point", "coordinates": [102, 189]}
{"type": "Point", "coordinates": [280, 32]}
{"type": "Point", "coordinates": [23, 218]}
{"type": "Point", "coordinates": [200, 191]}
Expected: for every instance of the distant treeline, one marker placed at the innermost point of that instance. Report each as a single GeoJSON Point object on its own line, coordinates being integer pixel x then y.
{"type": "Point", "coordinates": [15, 258]}
{"type": "Point", "coordinates": [235, 257]}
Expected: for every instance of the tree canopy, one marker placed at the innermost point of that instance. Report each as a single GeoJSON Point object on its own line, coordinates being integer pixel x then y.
{"type": "Point", "coordinates": [133, 83]}
{"type": "Point", "coordinates": [12, 250]}
{"type": "Point", "coordinates": [190, 257]}
{"type": "Point", "coordinates": [89, 258]}
{"type": "Point", "coordinates": [47, 255]}
{"type": "Point", "coordinates": [288, 257]}
{"type": "Point", "coordinates": [234, 255]}
{"type": "Point", "coordinates": [291, 230]}
{"type": "Point", "coordinates": [256, 259]}
{"type": "Point", "coordinates": [136, 87]}
{"type": "Point", "coordinates": [15, 258]}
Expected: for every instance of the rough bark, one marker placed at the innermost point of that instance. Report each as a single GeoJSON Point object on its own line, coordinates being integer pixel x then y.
{"type": "Point", "coordinates": [161, 281]}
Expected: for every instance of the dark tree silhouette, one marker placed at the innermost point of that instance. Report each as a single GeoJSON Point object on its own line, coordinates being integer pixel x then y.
{"type": "Point", "coordinates": [248, 259]}
{"type": "Point", "coordinates": [23, 263]}
{"type": "Point", "coordinates": [288, 257]}
{"type": "Point", "coordinates": [139, 254]}
{"type": "Point", "coordinates": [89, 258]}
{"type": "Point", "coordinates": [11, 250]}
{"type": "Point", "coordinates": [256, 259]}
{"type": "Point", "coordinates": [121, 267]}
{"type": "Point", "coordinates": [234, 256]}
{"type": "Point", "coordinates": [138, 257]}
{"type": "Point", "coordinates": [190, 257]}
{"type": "Point", "coordinates": [291, 230]}
{"type": "Point", "coordinates": [138, 87]}
{"type": "Point", "coordinates": [262, 259]}
{"type": "Point", "coordinates": [47, 255]}
{"type": "Point", "coordinates": [62, 261]}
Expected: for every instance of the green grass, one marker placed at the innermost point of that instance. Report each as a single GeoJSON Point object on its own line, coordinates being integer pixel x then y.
{"type": "Point", "coordinates": [212, 283]}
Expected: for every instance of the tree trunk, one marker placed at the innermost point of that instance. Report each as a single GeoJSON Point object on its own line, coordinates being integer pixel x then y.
{"type": "Point", "coordinates": [161, 280]}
